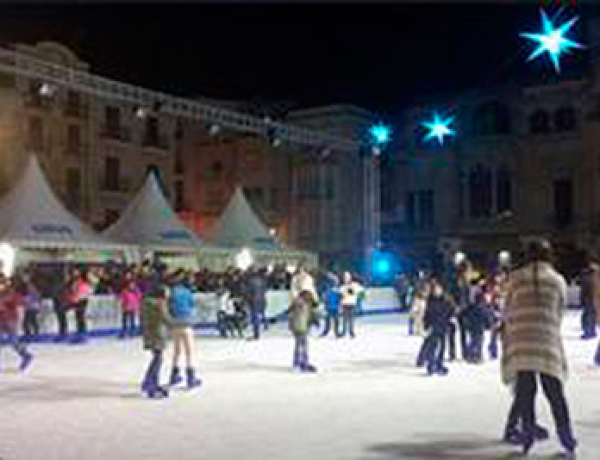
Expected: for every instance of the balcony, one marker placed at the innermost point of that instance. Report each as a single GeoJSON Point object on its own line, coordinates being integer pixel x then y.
{"type": "Point", "coordinates": [118, 133]}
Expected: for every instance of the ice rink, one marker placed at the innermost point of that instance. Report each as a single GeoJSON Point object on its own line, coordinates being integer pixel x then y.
{"type": "Point", "coordinates": [367, 402]}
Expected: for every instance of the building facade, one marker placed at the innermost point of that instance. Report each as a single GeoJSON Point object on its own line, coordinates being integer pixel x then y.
{"type": "Point", "coordinates": [95, 151]}
{"type": "Point", "coordinates": [525, 162]}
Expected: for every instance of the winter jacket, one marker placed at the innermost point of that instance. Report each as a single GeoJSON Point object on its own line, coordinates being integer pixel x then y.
{"type": "Point", "coordinates": [350, 294]}
{"type": "Point", "coordinates": [300, 314]}
{"type": "Point", "coordinates": [10, 303]}
{"type": "Point", "coordinates": [532, 322]}
{"type": "Point", "coordinates": [181, 305]}
{"type": "Point", "coordinates": [131, 300]}
{"type": "Point", "coordinates": [154, 317]}
{"type": "Point", "coordinates": [437, 315]}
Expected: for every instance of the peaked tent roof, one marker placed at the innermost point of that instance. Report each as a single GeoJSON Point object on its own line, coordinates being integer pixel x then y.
{"type": "Point", "coordinates": [239, 226]}
{"type": "Point", "coordinates": [150, 221]}
{"type": "Point", "coordinates": [32, 216]}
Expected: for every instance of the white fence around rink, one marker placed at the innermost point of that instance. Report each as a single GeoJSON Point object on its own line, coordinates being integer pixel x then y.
{"type": "Point", "coordinates": [104, 312]}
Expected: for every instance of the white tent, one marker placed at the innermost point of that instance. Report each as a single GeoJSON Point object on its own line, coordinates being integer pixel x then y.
{"type": "Point", "coordinates": [150, 222]}
{"type": "Point", "coordinates": [240, 227]}
{"type": "Point", "coordinates": [32, 217]}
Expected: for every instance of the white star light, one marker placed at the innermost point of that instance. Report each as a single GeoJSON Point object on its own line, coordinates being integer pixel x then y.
{"type": "Point", "coordinates": [439, 128]}
{"type": "Point", "coordinates": [553, 40]}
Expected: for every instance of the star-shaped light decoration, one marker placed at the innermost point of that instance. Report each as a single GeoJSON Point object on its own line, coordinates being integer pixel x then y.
{"type": "Point", "coordinates": [381, 134]}
{"type": "Point", "coordinates": [552, 40]}
{"type": "Point", "coordinates": [439, 128]}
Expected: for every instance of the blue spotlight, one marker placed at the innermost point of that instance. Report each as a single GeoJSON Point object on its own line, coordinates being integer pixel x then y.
{"type": "Point", "coordinates": [439, 128]}
{"type": "Point", "coordinates": [552, 40]}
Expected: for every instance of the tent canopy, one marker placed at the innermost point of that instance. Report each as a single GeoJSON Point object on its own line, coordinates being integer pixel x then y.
{"type": "Point", "coordinates": [239, 226]}
{"type": "Point", "coordinates": [150, 222]}
{"type": "Point", "coordinates": [31, 216]}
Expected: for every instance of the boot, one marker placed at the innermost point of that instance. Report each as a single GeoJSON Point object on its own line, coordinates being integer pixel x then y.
{"type": "Point", "coordinates": [540, 433]}
{"type": "Point", "coordinates": [191, 380]}
{"type": "Point", "coordinates": [513, 436]}
{"type": "Point", "coordinates": [154, 391]}
{"type": "Point", "coordinates": [176, 378]}
{"type": "Point", "coordinates": [567, 441]}
{"type": "Point", "coordinates": [26, 359]}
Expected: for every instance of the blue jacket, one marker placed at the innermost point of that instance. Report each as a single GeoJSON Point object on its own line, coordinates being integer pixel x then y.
{"type": "Point", "coordinates": [181, 304]}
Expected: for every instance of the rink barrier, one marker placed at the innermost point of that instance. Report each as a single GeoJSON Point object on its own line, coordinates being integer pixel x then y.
{"type": "Point", "coordinates": [104, 312]}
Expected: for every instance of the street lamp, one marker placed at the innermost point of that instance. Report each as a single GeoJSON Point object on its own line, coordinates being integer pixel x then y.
{"type": "Point", "coordinates": [380, 136]}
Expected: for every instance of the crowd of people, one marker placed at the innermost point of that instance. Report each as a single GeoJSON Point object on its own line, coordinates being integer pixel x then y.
{"type": "Point", "coordinates": [519, 310]}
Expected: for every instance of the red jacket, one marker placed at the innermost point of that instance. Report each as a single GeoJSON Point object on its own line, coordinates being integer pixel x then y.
{"type": "Point", "coordinates": [9, 308]}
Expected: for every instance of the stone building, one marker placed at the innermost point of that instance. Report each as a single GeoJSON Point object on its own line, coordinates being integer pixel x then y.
{"type": "Point", "coordinates": [525, 162]}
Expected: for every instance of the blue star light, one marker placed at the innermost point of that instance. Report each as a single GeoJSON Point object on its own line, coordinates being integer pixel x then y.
{"type": "Point", "coordinates": [553, 40]}
{"type": "Point", "coordinates": [439, 128]}
{"type": "Point", "coordinates": [381, 134]}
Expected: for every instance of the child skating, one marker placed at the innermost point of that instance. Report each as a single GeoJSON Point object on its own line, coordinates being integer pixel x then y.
{"type": "Point", "coordinates": [10, 303]}
{"type": "Point", "coordinates": [300, 314]}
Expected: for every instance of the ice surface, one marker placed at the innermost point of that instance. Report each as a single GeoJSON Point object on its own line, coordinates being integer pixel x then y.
{"type": "Point", "coordinates": [368, 402]}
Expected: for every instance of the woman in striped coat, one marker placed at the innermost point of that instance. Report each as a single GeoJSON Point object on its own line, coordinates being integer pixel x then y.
{"type": "Point", "coordinates": [533, 344]}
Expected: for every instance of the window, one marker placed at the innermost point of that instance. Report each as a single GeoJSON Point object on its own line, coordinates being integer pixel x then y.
{"type": "Point", "coordinates": [178, 161]}
{"type": "Point", "coordinates": [539, 122]}
{"type": "Point", "coordinates": [563, 201]}
{"type": "Point", "coordinates": [564, 119]}
{"type": "Point", "coordinates": [73, 107]}
{"type": "Point", "coordinates": [503, 190]}
{"type": "Point", "coordinates": [73, 140]}
{"type": "Point", "coordinates": [491, 118]}
{"type": "Point", "coordinates": [256, 196]}
{"type": "Point", "coordinates": [179, 196]}
{"type": "Point", "coordinates": [73, 189]}
{"type": "Point", "coordinates": [36, 134]}
{"type": "Point", "coordinates": [411, 214]}
{"type": "Point", "coordinates": [112, 174]}
{"type": "Point", "coordinates": [113, 120]}
{"type": "Point", "coordinates": [151, 136]}
{"type": "Point", "coordinates": [426, 209]}
{"type": "Point", "coordinates": [480, 192]}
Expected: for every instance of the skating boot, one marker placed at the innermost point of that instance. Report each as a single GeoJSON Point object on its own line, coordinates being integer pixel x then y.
{"type": "Point", "coordinates": [540, 433]}
{"type": "Point", "coordinates": [154, 391]}
{"type": "Point", "coordinates": [191, 380]}
{"type": "Point", "coordinates": [176, 378]}
{"type": "Point", "coordinates": [513, 436]}
{"type": "Point", "coordinates": [309, 368]}
{"type": "Point", "coordinates": [26, 360]}
{"type": "Point", "coordinates": [568, 442]}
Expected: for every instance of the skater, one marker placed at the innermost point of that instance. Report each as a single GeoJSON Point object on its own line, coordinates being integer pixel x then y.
{"type": "Point", "coordinates": [417, 311]}
{"type": "Point", "coordinates": [533, 345]}
{"type": "Point", "coordinates": [299, 317]}
{"type": "Point", "coordinates": [589, 281]}
{"type": "Point", "coordinates": [256, 295]}
{"type": "Point", "coordinates": [437, 316]}
{"type": "Point", "coordinates": [154, 319]}
{"type": "Point", "coordinates": [80, 291]}
{"type": "Point", "coordinates": [183, 313]}
{"type": "Point", "coordinates": [228, 317]}
{"type": "Point", "coordinates": [332, 298]}
{"type": "Point", "coordinates": [350, 291]}
{"type": "Point", "coordinates": [131, 299]}
{"type": "Point", "coordinates": [10, 303]}
{"type": "Point", "coordinates": [33, 304]}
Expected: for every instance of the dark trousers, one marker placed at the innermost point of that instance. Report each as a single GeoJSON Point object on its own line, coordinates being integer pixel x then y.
{"type": "Point", "coordinates": [597, 356]}
{"type": "Point", "coordinates": [331, 323]}
{"type": "Point", "coordinates": [347, 321]}
{"type": "Point", "coordinates": [255, 317]}
{"type": "Point", "coordinates": [128, 326]}
{"type": "Point", "coordinates": [526, 388]}
{"type": "Point", "coordinates": [588, 320]}
{"type": "Point", "coordinates": [434, 352]}
{"type": "Point", "coordinates": [11, 338]}
{"type": "Point", "coordinates": [80, 319]}
{"type": "Point", "coordinates": [464, 336]}
{"type": "Point", "coordinates": [153, 372]}
{"type": "Point", "coordinates": [301, 350]}
{"type": "Point", "coordinates": [493, 346]}
{"type": "Point", "coordinates": [31, 326]}
{"type": "Point", "coordinates": [475, 345]}
{"type": "Point", "coordinates": [451, 335]}
{"type": "Point", "coordinates": [60, 311]}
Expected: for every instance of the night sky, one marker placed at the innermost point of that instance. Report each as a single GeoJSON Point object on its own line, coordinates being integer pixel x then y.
{"type": "Point", "coordinates": [381, 57]}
